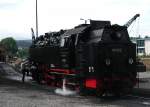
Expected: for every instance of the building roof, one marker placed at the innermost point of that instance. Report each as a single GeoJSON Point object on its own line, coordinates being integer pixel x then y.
{"type": "Point", "coordinates": [139, 38]}
{"type": "Point", "coordinates": [147, 38]}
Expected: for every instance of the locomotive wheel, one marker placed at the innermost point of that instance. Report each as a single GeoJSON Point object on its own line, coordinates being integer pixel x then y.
{"type": "Point", "coordinates": [82, 91]}
{"type": "Point", "coordinates": [38, 77]}
{"type": "Point", "coordinates": [100, 93]}
{"type": "Point", "coordinates": [128, 87]}
{"type": "Point", "coordinates": [117, 93]}
{"type": "Point", "coordinates": [125, 89]}
{"type": "Point", "coordinates": [117, 90]}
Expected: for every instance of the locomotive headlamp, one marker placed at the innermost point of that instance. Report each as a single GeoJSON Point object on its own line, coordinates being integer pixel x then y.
{"type": "Point", "coordinates": [130, 61]}
{"type": "Point", "coordinates": [107, 61]}
{"type": "Point", "coordinates": [64, 60]}
{"type": "Point", "coordinates": [118, 34]}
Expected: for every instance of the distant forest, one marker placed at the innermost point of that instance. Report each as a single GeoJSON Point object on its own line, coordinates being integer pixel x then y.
{"type": "Point", "coordinates": [24, 43]}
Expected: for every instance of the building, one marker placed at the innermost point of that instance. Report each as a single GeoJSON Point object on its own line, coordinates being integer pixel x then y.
{"type": "Point", "coordinates": [143, 45]}
{"type": "Point", "coordinates": [147, 46]}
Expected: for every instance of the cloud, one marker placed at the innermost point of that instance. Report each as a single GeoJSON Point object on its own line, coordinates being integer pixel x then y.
{"type": "Point", "coordinates": [9, 4]}
{"type": "Point", "coordinates": [18, 16]}
{"type": "Point", "coordinates": [9, 1]}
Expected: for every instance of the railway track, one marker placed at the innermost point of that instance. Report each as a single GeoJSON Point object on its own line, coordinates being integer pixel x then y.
{"type": "Point", "coordinates": [2, 71]}
{"type": "Point", "coordinates": [141, 94]}
{"type": "Point", "coordinates": [138, 97]}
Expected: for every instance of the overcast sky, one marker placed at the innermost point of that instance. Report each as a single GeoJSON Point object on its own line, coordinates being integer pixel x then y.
{"type": "Point", "coordinates": [18, 16]}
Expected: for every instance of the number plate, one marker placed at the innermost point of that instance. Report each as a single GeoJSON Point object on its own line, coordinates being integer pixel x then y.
{"type": "Point", "coordinates": [119, 50]}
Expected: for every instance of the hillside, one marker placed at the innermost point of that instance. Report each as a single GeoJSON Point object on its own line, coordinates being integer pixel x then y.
{"type": "Point", "coordinates": [23, 43]}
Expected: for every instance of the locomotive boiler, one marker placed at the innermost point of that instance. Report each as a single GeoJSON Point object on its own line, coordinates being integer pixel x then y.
{"type": "Point", "coordinates": [97, 57]}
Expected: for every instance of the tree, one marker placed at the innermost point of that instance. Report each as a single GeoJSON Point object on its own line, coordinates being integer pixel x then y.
{"type": "Point", "coordinates": [10, 45]}
{"type": "Point", "coordinates": [23, 53]}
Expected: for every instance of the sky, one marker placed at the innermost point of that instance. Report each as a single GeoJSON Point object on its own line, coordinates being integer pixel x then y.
{"type": "Point", "coordinates": [17, 17]}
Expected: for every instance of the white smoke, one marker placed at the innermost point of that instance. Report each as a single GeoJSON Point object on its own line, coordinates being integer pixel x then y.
{"type": "Point", "coordinates": [64, 91]}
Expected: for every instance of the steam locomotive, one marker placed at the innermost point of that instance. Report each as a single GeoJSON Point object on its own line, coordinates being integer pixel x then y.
{"type": "Point", "coordinates": [96, 56]}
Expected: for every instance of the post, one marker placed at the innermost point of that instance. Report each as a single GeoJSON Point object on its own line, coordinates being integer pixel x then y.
{"type": "Point", "coordinates": [36, 20]}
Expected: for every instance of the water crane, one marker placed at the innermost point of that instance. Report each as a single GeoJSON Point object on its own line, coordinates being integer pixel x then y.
{"type": "Point", "coordinates": [131, 20]}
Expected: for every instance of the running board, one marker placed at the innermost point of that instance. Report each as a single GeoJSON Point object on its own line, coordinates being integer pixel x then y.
{"type": "Point", "coordinates": [58, 73]}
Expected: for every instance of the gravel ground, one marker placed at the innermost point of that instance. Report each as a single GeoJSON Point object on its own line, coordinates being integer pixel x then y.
{"type": "Point", "coordinates": [144, 74]}
{"type": "Point", "coordinates": [14, 93]}
{"type": "Point", "coordinates": [144, 80]}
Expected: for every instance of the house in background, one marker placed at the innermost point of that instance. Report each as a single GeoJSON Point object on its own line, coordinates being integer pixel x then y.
{"type": "Point", "coordinates": [147, 46]}
{"type": "Point", "coordinates": [143, 45]}
{"type": "Point", "coordinates": [140, 43]}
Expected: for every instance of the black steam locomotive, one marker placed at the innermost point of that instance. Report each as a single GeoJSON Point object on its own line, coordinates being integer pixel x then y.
{"type": "Point", "coordinates": [96, 56]}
